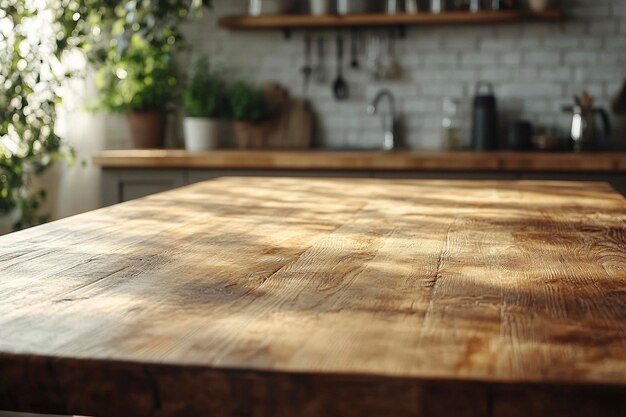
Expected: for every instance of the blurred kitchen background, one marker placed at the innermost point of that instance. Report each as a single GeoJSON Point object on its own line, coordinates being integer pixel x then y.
{"type": "Point", "coordinates": [533, 66]}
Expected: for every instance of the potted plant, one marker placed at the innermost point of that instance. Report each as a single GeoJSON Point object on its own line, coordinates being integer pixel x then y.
{"type": "Point", "coordinates": [206, 107]}
{"type": "Point", "coordinates": [10, 184]}
{"type": "Point", "coordinates": [131, 44]}
{"type": "Point", "coordinates": [250, 112]}
{"type": "Point", "coordinates": [141, 84]}
{"type": "Point", "coordinates": [30, 89]}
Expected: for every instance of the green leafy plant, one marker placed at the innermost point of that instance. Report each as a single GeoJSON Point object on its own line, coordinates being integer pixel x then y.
{"type": "Point", "coordinates": [120, 37]}
{"type": "Point", "coordinates": [205, 94]}
{"type": "Point", "coordinates": [143, 79]}
{"type": "Point", "coordinates": [10, 183]}
{"type": "Point", "coordinates": [248, 103]}
{"type": "Point", "coordinates": [31, 77]}
{"type": "Point", "coordinates": [115, 35]}
{"type": "Point", "coordinates": [102, 26]}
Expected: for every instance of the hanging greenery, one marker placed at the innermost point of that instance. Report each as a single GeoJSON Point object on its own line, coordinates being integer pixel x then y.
{"type": "Point", "coordinates": [116, 37]}
{"type": "Point", "coordinates": [30, 88]}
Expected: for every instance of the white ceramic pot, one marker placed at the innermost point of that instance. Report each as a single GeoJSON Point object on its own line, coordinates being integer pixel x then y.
{"type": "Point", "coordinates": [202, 134]}
{"type": "Point", "coordinates": [8, 220]}
{"type": "Point", "coordinates": [538, 5]}
{"type": "Point", "coordinates": [320, 7]}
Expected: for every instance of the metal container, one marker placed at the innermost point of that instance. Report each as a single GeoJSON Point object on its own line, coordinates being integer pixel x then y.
{"type": "Point", "coordinates": [268, 7]}
{"type": "Point", "coordinates": [412, 6]}
{"type": "Point", "coordinates": [320, 7]}
{"type": "Point", "coordinates": [437, 6]}
{"type": "Point", "coordinates": [485, 118]}
{"type": "Point", "coordinates": [345, 7]}
{"type": "Point", "coordinates": [393, 7]}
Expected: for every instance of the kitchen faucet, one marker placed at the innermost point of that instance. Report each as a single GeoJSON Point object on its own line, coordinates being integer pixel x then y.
{"type": "Point", "coordinates": [389, 138]}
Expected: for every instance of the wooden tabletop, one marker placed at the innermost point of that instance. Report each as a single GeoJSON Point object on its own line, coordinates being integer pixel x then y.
{"type": "Point", "coordinates": [501, 161]}
{"type": "Point", "coordinates": [291, 297]}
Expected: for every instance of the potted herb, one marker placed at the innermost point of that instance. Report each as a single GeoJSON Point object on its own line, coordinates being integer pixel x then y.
{"type": "Point", "coordinates": [250, 112]}
{"type": "Point", "coordinates": [141, 84]}
{"type": "Point", "coordinates": [206, 107]}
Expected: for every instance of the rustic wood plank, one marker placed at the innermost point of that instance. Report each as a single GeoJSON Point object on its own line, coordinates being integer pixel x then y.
{"type": "Point", "coordinates": [401, 161]}
{"type": "Point", "coordinates": [373, 20]}
{"type": "Point", "coordinates": [352, 297]}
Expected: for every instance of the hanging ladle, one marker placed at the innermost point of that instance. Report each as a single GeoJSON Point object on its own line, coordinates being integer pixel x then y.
{"type": "Point", "coordinates": [340, 86]}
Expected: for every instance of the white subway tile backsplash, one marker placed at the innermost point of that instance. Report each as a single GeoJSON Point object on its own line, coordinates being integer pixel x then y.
{"type": "Point", "coordinates": [479, 59]}
{"type": "Point", "coordinates": [536, 68]}
{"type": "Point", "coordinates": [530, 90]}
{"type": "Point", "coordinates": [543, 58]}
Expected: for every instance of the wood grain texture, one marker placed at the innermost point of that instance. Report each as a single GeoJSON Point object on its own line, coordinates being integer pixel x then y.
{"type": "Point", "coordinates": [375, 161]}
{"type": "Point", "coordinates": [310, 297]}
{"type": "Point", "coordinates": [335, 21]}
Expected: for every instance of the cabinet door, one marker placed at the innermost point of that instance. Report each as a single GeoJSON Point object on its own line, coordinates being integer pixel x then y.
{"type": "Point", "coordinates": [198, 175]}
{"type": "Point", "coordinates": [119, 185]}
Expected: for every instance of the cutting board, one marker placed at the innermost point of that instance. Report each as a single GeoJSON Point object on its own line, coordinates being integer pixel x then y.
{"type": "Point", "coordinates": [292, 124]}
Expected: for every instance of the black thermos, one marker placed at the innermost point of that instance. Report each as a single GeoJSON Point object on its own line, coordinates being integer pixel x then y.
{"type": "Point", "coordinates": [485, 118]}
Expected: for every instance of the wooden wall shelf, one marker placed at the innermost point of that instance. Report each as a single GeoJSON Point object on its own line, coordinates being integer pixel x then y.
{"type": "Point", "coordinates": [374, 20]}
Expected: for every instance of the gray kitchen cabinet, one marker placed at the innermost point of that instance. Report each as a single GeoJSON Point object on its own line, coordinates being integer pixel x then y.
{"type": "Point", "coordinates": [119, 185]}
{"type": "Point", "coordinates": [198, 175]}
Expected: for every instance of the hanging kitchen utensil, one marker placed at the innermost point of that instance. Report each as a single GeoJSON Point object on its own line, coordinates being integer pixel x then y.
{"type": "Point", "coordinates": [354, 50]}
{"type": "Point", "coordinates": [319, 72]}
{"type": "Point", "coordinates": [340, 86]}
{"type": "Point", "coordinates": [307, 69]}
{"type": "Point", "coordinates": [393, 70]}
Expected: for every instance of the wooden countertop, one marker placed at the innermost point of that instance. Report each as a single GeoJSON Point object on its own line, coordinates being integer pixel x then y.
{"type": "Point", "coordinates": [308, 297]}
{"type": "Point", "coordinates": [364, 160]}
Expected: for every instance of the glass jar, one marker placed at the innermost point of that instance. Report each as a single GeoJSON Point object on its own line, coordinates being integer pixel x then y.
{"type": "Point", "coordinates": [451, 138]}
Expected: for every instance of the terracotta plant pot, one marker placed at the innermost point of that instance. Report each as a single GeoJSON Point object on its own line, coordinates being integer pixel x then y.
{"type": "Point", "coordinates": [250, 135]}
{"type": "Point", "coordinates": [147, 129]}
